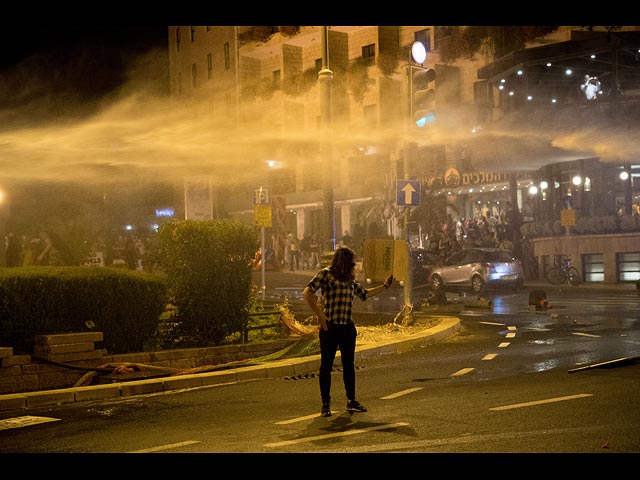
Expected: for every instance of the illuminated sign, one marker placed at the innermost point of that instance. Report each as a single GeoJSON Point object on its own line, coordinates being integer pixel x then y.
{"type": "Point", "coordinates": [164, 212]}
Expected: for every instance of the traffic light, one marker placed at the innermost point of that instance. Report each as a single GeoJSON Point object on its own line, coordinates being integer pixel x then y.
{"type": "Point", "coordinates": [422, 97]}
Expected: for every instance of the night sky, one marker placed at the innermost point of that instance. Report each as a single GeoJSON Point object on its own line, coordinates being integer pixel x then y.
{"type": "Point", "coordinates": [77, 64]}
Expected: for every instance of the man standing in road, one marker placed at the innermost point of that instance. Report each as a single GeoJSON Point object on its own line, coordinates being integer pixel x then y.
{"type": "Point", "coordinates": [336, 328]}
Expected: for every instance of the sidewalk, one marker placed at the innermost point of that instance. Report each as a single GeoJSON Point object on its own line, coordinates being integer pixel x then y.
{"type": "Point", "coordinates": [279, 368]}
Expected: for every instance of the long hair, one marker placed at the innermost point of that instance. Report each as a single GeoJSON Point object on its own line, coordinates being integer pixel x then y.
{"type": "Point", "coordinates": [343, 263]}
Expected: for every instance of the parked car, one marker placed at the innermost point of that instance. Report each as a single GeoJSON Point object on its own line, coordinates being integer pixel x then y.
{"type": "Point", "coordinates": [478, 269]}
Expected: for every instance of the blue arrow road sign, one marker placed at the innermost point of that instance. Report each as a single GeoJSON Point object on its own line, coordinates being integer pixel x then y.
{"type": "Point", "coordinates": [408, 193]}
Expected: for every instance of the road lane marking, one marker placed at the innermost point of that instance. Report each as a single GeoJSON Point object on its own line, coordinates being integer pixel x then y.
{"type": "Point", "coordinates": [439, 444]}
{"type": "Point", "coordinates": [301, 419]}
{"type": "Point", "coordinates": [493, 323]}
{"type": "Point", "coordinates": [586, 334]}
{"type": "Point", "coordinates": [541, 402]}
{"type": "Point", "coordinates": [490, 356]}
{"type": "Point", "coordinates": [464, 371]}
{"type": "Point", "coordinates": [504, 344]}
{"type": "Point", "coordinates": [512, 327]}
{"type": "Point", "coordinates": [337, 434]}
{"type": "Point", "coordinates": [401, 393]}
{"type": "Point", "coordinates": [24, 421]}
{"type": "Point", "coordinates": [166, 447]}
{"type": "Point", "coordinates": [510, 335]}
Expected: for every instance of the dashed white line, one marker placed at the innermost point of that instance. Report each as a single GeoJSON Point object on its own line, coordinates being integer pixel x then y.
{"type": "Point", "coordinates": [541, 402]}
{"type": "Point", "coordinates": [490, 356]}
{"type": "Point", "coordinates": [337, 434]}
{"type": "Point", "coordinates": [512, 327]}
{"type": "Point", "coordinates": [401, 393]}
{"type": "Point", "coordinates": [166, 447]}
{"type": "Point", "coordinates": [464, 371]}
{"type": "Point", "coordinates": [504, 344]}
{"type": "Point", "coordinates": [300, 419]}
{"type": "Point", "coordinates": [586, 334]}
{"type": "Point", "coordinates": [510, 335]}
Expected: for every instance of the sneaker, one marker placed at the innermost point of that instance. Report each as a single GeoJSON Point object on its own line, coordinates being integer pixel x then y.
{"type": "Point", "coordinates": [326, 410]}
{"type": "Point", "coordinates": [355, 406]}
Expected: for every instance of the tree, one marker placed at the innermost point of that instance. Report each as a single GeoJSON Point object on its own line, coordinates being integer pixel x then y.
{"type": "Point", "coordinates": [466, 42]}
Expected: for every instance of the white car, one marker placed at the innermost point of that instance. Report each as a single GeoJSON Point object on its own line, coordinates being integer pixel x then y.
{"type": "Point", "coordinates": [478, 269]}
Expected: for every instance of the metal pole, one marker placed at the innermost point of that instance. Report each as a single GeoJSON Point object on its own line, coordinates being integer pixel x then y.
{"type": "Point", "coordinates": [262, 265]}
{"type": "Point", "coordinates": [325, 78]}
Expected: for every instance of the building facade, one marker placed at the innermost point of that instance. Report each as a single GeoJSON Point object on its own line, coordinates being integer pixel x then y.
{"type": "Point", "coordinates": [351, 149]}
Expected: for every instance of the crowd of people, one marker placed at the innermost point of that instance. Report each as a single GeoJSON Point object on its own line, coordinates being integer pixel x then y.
{"type": "Point", "coordinates": [305, 253]}
{"type": "Point", "coordinates": [484, 230]}
{"type": "Point", "coordinates": [24, 251]}
{"type": "Point", "coordinates": [45, 248]}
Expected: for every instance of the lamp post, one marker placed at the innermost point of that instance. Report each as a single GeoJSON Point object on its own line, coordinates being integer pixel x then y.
{"type": "Point", "coordinates": [4, 213]}
{"type": "Point", "coordinates": [325, 79]}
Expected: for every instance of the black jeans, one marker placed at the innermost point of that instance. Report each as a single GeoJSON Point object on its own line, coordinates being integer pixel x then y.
{"type": "Point", "coordinates": [344, 338]}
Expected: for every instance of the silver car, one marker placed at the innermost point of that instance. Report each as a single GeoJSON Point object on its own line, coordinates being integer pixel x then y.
{"type": "Point", "coordinates": [478, 269]}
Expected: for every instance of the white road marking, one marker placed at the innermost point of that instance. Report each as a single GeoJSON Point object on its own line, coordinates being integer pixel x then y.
{"type": "Point", "coordinates": [541, 402]}
{"type": "Point", "coordinates": [166, 447]}
{"type": "Point", "coordinates": [401, 393]}
{"type": "Point", "coordinates": [585, 334]}
{"type": "Point", "coordinates": [25, 421]}
{"type": "Point", "coordinates": [510, 335]}
{"type": "Point", "coordinates": [301, 419]}
{"type": "Point", "coordinates": [512, 327]}
{"type": "Point", "coordinates": [337, 434]}
{"type": "Point", "coordinates": [490, 356]}
{"type": "Point", "coordinates": [464, 371]}
{"type": "Point", "coordinates": [504, 344]}
{"type": "Point", "coordinates": [493, 323]}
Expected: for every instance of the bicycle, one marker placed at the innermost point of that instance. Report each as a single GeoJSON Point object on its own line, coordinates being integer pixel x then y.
{"type": "Point", "coordinates": [562, 271]}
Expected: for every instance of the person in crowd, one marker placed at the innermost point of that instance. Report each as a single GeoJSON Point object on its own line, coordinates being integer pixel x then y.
{"type": "Point", "coordinates": [131, 253]}
{"type": "Point", "coordinates": [314, 252]}
{"type": "Point", "coordinates": [46, 245]}
{"type": "Point", "coordinates": [294, 254]}
{"type": "Point", "coordinates": [13, 250]}
{"type": "Point", "coordinates": [347, 240]}
{"type": "Point", "coordinates": [304, 250]}
{"type": "Point", "coordinates": [333, 309]}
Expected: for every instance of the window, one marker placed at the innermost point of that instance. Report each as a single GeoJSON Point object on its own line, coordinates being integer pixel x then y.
{"type": "Point", "coordinates": [227, 57]}
{"type": "Point", "coordinates": [593, 267]}
{"type": "Point", "coordinates": [276, 78]}
{"type": "Point", "coordinates": [318, 64]}
{"type": "Point", "coordinates": [369, 54]}
{"type": "Point", "coordinates": [628, 266]}
{"type": "Point", "coordinates": [209, 66]}
{"type": "Point", "coordinates": [193, 33]}
{"type": "Point", "coordinates": [424, 37]}
{"type": "Point", "coordinates": [177, 39]}
{"type": "Point", "coordinates": [193, 76]}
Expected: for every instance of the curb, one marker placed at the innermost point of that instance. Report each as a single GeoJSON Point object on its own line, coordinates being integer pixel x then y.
{"type": "Point", "coordinates": [279, 368]}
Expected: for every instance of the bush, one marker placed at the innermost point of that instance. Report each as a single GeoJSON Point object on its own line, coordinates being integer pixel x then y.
{"type": "Point", "coordinates": [209, 272]}
{"type": "Point", "coordinates": [125, 305]}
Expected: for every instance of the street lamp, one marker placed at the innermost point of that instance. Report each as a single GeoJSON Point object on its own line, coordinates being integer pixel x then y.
{"type": "Point", "coordinates": [3, 228]}
{"type": "Point", "coordinates": [325, 79]}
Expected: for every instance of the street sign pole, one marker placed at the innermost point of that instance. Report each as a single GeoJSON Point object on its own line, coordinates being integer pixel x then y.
{"type": "Point", "coordinates": [262, 215]}
{"type": "Point", "coordinates": [262, 265]}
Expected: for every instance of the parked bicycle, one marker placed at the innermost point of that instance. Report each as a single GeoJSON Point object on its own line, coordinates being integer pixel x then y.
{"type": "Point", "coordinates": [562, 271]}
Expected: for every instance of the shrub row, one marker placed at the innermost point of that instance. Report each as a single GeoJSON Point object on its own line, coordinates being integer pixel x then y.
{"type": "Point", "coordinates": [125, 305]}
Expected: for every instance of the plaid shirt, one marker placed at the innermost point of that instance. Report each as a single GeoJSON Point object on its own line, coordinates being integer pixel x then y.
{"type": "Point", "coordinates": [338, 296]}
